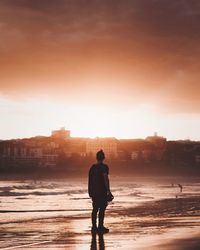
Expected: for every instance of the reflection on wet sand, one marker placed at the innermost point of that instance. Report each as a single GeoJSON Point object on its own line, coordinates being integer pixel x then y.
{"type": "Point", "coordinates": [101, 242]}
{"type": "Point", "coordinates": [143, 216]}
{"type": "Point", "coordinates": [127, 231]}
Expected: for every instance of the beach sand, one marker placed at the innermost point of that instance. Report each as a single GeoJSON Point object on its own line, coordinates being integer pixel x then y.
{"type": "Point", "coordinates": [170, 224]}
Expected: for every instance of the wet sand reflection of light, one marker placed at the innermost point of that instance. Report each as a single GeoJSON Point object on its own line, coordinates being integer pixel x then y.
{"type": "Point", "coordinates": [142, 215]}
{"type": "Point", "coordinates": [100, 243]}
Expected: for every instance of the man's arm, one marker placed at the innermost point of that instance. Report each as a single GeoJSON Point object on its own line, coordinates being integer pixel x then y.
{"type": "Point", "coordinates": [107, 183]}
{"type": "Point", "coordinates": [89, 184]}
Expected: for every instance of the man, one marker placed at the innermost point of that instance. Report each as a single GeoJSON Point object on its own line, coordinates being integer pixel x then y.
{"type": "Point", "coordinates": [99, 189]}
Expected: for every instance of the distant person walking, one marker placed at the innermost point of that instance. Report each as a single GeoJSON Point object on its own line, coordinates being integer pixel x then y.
{"type": "Point", "coordinates": [99, 192]}
{"type": "Point", "coordinates": [181, 188]}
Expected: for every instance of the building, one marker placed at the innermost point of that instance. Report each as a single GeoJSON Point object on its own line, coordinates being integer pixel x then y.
{"type": "Point", "coordinates": [78, 146]}
{"type": "Point", "coordinates": [108, 145]}
{"type": "Point", "coordinates": [16, 154]}
{"type": "Point", "coordinates": [150, 155]}
{"type": "Point", "coordinates": [61, 133]}
{"type": "Point", "coordinates": [157, 141]}
{"type": "Point", "coordinates": [135, 155]}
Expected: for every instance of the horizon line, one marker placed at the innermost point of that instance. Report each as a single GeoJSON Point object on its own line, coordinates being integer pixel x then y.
{"type": "Point", "coordinates": [101, 137]}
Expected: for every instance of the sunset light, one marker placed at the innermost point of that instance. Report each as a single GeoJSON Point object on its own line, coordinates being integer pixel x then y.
{"type": "Point", "coordinates": [102, 71]}
{"type": "Point", "coordinates": [40, 116]}
{"type": "Point", "coordinates": [100, 124]}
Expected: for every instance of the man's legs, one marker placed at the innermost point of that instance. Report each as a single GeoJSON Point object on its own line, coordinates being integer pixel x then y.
{"type": "Point", "coordinates": [101, 216]}
{"type": "Point", "coordinates": [102, 210]}
{"type": "Point", "coordinates": [94, 215]}
{"type": "Point", "coordinates": [99, 205]}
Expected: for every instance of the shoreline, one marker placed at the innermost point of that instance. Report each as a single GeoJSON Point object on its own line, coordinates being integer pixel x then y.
{"type": "Point", "coordinates": [37, 176]}
{"type": "Point", "coordinates": [74, 233]}
{"type": "Point", "coordinates": [151, 225]}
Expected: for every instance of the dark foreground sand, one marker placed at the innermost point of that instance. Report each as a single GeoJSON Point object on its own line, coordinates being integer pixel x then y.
{"type": "Point", "coordinates": [172, 224]}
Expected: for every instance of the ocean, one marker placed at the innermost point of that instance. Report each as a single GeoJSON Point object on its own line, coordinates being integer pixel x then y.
{"type": "Point", "coordinates": [25, 201]}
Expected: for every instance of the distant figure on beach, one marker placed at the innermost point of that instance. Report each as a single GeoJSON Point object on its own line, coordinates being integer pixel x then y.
{"type": "Point", "coordinates": [99, 192]}
{"type": "Point", "coordinates": [181, 188]}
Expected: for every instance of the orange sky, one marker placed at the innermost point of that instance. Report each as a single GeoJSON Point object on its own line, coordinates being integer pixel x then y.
{"type": "Point", "coordinates": [118, 57]}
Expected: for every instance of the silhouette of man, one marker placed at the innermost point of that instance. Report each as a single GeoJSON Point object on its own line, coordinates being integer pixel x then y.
{"type": "Point", "coordinates": [98, 189]}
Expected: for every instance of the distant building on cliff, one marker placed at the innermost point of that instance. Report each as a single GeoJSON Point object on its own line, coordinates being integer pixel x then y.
{"type": "Point", "coordinates": [108, 145]}
{"type": "Point", "coordinates": [158, 141]}
{"type": "Point", "coordinates": [16, 154]}
{"type": "Point", "coordinates": [62, 133]}
{"type": "Point", "coordinates": [155, 148]}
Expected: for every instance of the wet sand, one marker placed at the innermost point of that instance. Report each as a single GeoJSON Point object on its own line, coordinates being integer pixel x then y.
{"type": "Point", "coordinates": [170, 224]}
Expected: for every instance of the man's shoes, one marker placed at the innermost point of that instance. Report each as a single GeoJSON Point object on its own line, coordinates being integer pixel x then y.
{"type": "Point", "coordinates": [94, 229]}
{"type": "Point", "coordinates": [103, 230]}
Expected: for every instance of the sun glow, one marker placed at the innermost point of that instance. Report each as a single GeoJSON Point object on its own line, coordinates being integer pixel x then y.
{"type": "Point", "coordinates": [34, 116]}
{"type": "Point", "coordinates": [103, 122]}
{"type": "Point", "coordinates": [40, 116]}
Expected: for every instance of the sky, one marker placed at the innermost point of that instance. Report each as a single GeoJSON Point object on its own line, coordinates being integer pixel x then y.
{"type": "Point", "coordinates": [100, 68]}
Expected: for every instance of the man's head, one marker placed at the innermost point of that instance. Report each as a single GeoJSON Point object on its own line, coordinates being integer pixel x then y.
{"type": "Point", "coordinates": [100, 155]}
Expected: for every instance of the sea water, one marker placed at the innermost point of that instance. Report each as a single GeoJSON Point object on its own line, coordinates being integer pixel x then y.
{"type": "Point", "coordinates": [31, 199]}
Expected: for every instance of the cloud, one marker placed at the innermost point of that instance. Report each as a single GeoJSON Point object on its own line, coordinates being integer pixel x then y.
{"type": "Point", "coordinates": [147, 47]}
